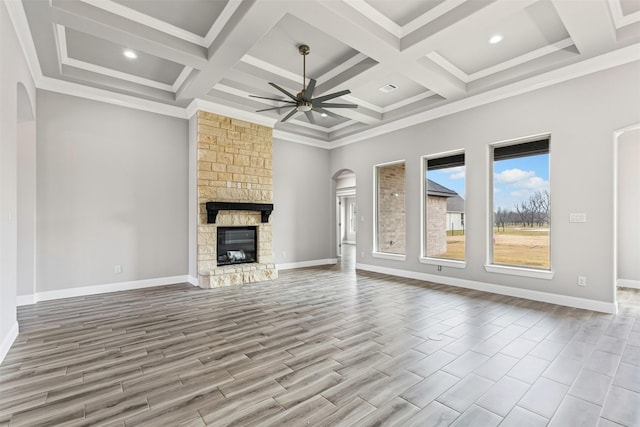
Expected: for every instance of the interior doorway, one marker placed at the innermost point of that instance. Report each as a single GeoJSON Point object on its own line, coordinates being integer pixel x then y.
{"type": "Point", "coordinates": [346, 215]}
{"type": "Point", "coordinates": [627, 148]}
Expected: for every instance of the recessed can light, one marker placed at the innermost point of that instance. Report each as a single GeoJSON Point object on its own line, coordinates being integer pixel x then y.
{"type": "Point", "coordinates": [495, 39]}
{"type": "Point", "coordinates": [324, 114]}
{"type": "Point", "coordinates": [130, 54]}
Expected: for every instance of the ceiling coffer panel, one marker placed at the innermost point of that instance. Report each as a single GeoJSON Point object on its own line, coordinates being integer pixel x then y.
{"type": "Point", "coordinates": [527, 30]}
{"type": "Point", "coordinates": [93, 50]}
{"type": "Point", "coordinates": [194, 16]}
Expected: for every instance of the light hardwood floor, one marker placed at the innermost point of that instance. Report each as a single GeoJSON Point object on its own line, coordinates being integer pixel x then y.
{"type": "Point", "coordinates": [321, 346]}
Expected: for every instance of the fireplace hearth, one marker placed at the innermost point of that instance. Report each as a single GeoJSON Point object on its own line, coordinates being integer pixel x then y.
{"type": "Point", "coordinates": [237, 245]}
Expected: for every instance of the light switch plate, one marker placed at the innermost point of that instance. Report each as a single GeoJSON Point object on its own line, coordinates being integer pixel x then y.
{"type": "Point", "coordinates": [577, 217]}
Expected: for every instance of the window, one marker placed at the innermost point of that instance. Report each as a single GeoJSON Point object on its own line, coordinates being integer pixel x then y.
{"type": "Point", "coordinates": [521, 205]}
{"type": "Point", "coordinates": [390, 211]}
{"type": "Point", "coordinates": [444, 227]}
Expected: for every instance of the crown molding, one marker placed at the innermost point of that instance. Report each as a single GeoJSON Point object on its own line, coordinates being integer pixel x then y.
{"type": "Point", "coordinates": [305, 140]}
{"type": "Point", "coordinates": [81, 91]}
{"type": "Point", "coordinates": [21, 27]}
{"type": "Point", "coordinates": [223, 110]}
{"type": "Point", "coordinates": [622, 56]}
{"type": "Point", "coordinates": [603, 62]}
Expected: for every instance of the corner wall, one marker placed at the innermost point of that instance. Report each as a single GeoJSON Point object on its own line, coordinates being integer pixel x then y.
{"type": "Point", "coordinates": [13, 70]}
{"type": "Point", "coordinates": [112, 191]}
{"type": "Point", "coordinates": [303, 206]}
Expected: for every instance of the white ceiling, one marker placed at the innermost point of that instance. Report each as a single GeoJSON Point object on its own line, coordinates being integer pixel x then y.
{"type": "Point", "coordinates": [217, 52]}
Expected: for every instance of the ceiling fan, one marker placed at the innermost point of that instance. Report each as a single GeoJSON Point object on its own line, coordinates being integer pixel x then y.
{"type": "Point", "coordinates": [303, 101]}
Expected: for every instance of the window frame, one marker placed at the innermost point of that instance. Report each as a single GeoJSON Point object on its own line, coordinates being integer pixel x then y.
{"type": "Point", "coordinates": [424, 259]}
{"type": "Point", "coordinates": [376, 253]}
{"type": "Point", "coordinates": [513, 270]}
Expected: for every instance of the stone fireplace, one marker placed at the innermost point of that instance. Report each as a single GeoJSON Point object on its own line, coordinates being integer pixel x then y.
{"type": "Point", "coordinates": [234, 190]}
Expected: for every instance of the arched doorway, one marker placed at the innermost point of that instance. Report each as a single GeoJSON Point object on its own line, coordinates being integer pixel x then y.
{"type": "Point", "coordinates": [346, 217]}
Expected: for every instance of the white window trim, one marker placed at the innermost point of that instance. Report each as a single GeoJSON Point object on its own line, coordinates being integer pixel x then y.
{"type": "Point", "coordinates": [453, 263]}
{"type": "Point", "coordinates": [519, 271]}
{"type": "Point", "coordinates": [387, 255]}
{"type": "Point", "coordinates": [508, 269]}
{"type": "Point", "coordinates": [375, 253]}
{"type": "Point", "coordinates": [424, 259]}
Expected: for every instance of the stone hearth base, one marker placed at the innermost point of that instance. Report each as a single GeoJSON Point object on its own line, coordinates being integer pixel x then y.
{"type": "Point", "coordinates": [237, 275]}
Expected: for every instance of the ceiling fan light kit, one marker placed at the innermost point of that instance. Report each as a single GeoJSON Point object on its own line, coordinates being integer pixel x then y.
{"type": "Point", "coordinates": [303, 101]}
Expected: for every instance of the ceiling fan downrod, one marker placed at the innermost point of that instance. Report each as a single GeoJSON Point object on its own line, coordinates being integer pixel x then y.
{"type": "Point", "coordinates": [304, 51]}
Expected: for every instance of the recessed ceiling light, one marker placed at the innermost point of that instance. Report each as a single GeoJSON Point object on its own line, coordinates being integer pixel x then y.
{"type": "Point", "coordinates": [387, 88]}
{"type": "Point", "coordinates": [130, 54]}
{"type": "Point", "coordinates": [495, 39]}
{"type": "Point", "coordinates": [324, 114]}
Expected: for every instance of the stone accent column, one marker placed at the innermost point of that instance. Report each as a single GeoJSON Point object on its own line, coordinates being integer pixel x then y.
{"type": "Point", "coordinates": [234, 165]}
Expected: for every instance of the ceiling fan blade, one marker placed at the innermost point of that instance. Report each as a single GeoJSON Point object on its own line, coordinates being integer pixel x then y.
{"type": "Point", "coordinates": [308, 92]}
{"type": "Point", "coordinates": [272, 99]}
{"type": "Point", "coordinates": [330, 96]}
{"type": "Point", "coordinates": [284, 91]}
{"type": "Point", "coordinates": [288, 116]}
{"type": "Point", "coordinates": [337, 106]}
{"type": "Point", "coordinates": [273, 108]}
{"type": "Point", "coordinates": [309, 115]}
{"type": "Point", "coordinates": [327, 112]}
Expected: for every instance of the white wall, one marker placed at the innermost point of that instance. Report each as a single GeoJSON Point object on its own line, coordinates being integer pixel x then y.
{"type": "Point", "coordinates": [13, 70]}
{"type": "Point", "coordinates": [629, 208]}
{"type": "Point", "coordinates": [348, 234]}
{"type": "Point", "coordinates": [580, 115]}
{"type": "Point", "coordinates": [302, 200]}
{"type": "Point", "coordinates": [112, 190]}
{"type": "Point", "coordinates": [26, 207]}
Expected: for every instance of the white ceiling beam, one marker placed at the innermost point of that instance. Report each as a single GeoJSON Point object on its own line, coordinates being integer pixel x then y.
{"type": "Point", "coordinates": [589, 24]}
{"type": "Point", "coordinates": [253, 21]}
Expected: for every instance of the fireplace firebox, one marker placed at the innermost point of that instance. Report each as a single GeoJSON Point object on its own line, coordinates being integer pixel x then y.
{"type": "Point", "coordinates": [237, 245]}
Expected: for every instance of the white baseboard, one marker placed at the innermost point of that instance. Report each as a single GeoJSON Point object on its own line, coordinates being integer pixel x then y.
{"type": "Point", "coordinates": [100, 289]}
{"type": "Point", "coordinates": [626, 283]}
{"type": "Point", "coordinates": [25, 300]}
{"type": "Point", "coordinates": [569, 301]}
{"type": "Point", "coordinates": [8, 340]}
{"type": "Point", "coordinates": [302, 264]}
{"type": "Point", "coordinates": [192, 280]}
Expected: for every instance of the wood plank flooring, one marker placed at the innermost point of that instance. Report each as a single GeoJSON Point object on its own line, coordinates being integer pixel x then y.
{"type": "Point", "coordinates": [321, 346]}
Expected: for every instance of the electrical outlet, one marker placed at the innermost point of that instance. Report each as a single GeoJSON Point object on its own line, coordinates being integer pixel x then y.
{"type": "Point", "coordinates": [439, 268]}
{"type": "Point", "coordinates": [117, 269]}
{"type": "Point", "coordinates": [582, 281]}
{"type": "Point", "coordinates": [284, 254]}
{"type": "Point", "coordinates": [361, 254]}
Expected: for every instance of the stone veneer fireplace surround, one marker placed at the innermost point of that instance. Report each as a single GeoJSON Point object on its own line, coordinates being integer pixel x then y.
{"type": "Point", "coordinates": [234, 176]}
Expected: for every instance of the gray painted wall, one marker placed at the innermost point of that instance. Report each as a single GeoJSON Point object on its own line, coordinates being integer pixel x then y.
{"type": "Point", "coordinates": [629, 206]}
{"type": "Point", "coordinates": [193, 198]}
{"type": "Point", "coordinates": [112, 190]}
{"type": "Point", "coordinates": [26, 207]}
{"type": "Point", "coordinates": [302, 199]}
{"type": "Point", "coordinates": [13, 70]}
{"type": "Point", "coordinates": [581, 116]}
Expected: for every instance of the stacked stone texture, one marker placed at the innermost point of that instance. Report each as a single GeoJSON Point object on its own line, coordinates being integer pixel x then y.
{"type": "Point", "coordinates": [234, 165]}
{"type": "Point", "coordinates": [391, 209]}
{"type": "Point", "coordinates": [436, 226]}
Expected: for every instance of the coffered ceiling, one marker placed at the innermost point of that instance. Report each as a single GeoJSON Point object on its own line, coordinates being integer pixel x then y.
{"type": "Point", "coordinates": [404, 61]}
